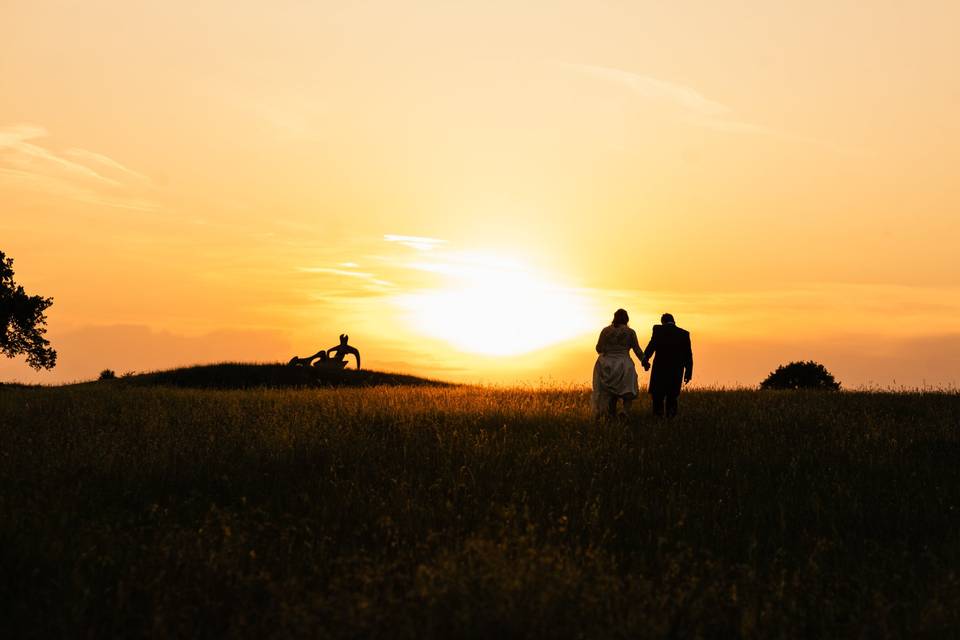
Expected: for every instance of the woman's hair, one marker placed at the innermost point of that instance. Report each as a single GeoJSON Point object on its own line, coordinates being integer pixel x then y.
{"type": "Point", "coordinates": [620, 317]}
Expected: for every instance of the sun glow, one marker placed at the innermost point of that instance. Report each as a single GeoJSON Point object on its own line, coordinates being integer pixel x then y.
{"type": "Point", "coordinates": [496, 307]}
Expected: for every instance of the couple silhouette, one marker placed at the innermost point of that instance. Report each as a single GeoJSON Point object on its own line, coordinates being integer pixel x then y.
{"type": "Point", "coordinates": [615, 376]}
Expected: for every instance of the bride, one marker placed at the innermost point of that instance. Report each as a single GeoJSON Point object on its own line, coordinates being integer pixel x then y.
{"type": "Point", "coordinates": [614, 374]}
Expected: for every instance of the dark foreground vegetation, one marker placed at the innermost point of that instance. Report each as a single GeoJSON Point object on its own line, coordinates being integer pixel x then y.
{"type": "Point", "coordinates": [429, 512]}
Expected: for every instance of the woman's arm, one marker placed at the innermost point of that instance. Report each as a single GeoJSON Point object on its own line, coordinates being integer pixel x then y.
{"type": "Point", "coordinates": [635, 345]}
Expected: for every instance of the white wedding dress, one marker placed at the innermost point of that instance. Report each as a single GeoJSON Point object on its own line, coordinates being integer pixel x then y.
{"type": "Point", "coordinates": [614, 374]}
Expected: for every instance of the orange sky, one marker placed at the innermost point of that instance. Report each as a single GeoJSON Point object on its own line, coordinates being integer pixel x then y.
{"type": "Point", "coordinates": [471, 189]}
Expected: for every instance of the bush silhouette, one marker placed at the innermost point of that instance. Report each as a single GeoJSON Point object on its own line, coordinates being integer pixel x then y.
{"type": "Point", "coordinates": [801, 375]}
{"type": "Point", "coordinates": [107, 374]}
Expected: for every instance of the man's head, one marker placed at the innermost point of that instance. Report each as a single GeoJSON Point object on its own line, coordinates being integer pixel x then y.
{"type": "Point", "coordinates": [343, 338]}
{"type": "Point", "coordinates": [667, 318]}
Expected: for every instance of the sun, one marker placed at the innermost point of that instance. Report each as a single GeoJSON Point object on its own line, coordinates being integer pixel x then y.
{"type": "Point", "coordinates": [496, 307]}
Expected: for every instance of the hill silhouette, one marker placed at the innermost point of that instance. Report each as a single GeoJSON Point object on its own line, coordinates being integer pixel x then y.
{"type": "Point", "coordinates": [17, 385]}
{"type": "Point", "coordinates": [239, 375]}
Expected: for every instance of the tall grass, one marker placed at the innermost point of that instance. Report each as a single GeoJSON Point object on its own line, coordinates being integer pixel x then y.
{"type": "Point", "coordinates": [472, 512]}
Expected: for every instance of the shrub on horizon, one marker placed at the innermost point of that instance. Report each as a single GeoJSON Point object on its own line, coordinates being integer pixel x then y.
{"type": "Point", "coordinates": [801, 375]}
{"type": "Point", "coordinates": [107, 374]}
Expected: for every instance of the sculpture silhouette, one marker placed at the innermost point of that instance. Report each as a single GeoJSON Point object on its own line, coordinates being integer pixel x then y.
{"type": "Point", "coordinates": [297, 361]}
{"type": "Point", "coordinates": [339, 353]}
{"type": "Point", "coordinates": [333, 357]}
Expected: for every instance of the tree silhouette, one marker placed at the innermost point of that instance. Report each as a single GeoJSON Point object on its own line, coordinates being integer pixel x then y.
{"type": "Point", "coordinates": [801, 375]}
{"type": "Point", "coordinates": [22, 321]}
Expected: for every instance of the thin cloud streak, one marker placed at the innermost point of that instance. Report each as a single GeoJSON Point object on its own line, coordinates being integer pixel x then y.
{"type": "Point", "coordinates": [649, 87]}
{"type": "Point", "coordinates": [338, 272]}
{"type": "Point", "coordinates": [414, 242]}
{"type": "Point", "coordinates": [15, 139]}
{"type": "Point", "coordinates": [15, 178]}
{"type": "Point", "coordinates": [105, 161]}
{"type": "Point", "coordinates": [67, 174]}
{"type": "Point", "coordinates": [698, 110]}
{"type": "Point", "coordinates": [373, 285]}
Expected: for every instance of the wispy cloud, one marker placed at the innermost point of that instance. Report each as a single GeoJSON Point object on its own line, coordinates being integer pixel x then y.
{"type": "Point", "coordinates": [332, 283]}
{"type": "Point", "coordinates": [414, 242]}
{"type": "Point", "coordinates": [676, 94]}
{"type": "Point", "coordinates": [58, 187]}
{"type": "Point", "coordinates": [76, 174]}
{"type": "Point", "coordinates": [337, 272]}
{"type": "Point", "coordinates": [411, 263]}
{"type": "Point", "coordinates": [105, 161]}
{"type": "Point", "coordinates": [697, 109]}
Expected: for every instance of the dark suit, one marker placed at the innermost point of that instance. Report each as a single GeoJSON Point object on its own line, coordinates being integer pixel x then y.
{"type": "Point", "coordinates": [671, 344]}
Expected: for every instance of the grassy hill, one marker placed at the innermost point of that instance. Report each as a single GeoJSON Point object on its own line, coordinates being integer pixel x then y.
{"type": "Point", "coordinates": [237, 375]}
{"type": "Point", "coordinates": [131, 510]}
{"type": "Point", "coordinates": [16, 385]}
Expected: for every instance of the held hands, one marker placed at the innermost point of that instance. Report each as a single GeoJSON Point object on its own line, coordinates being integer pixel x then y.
{"type": "Point", "coordinates": [687, 375]}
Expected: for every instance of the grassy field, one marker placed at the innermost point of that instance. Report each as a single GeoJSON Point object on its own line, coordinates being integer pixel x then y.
{"type": "Point", "coordinates": [401, 512]}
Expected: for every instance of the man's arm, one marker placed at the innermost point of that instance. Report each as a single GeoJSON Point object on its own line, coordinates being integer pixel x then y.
{"type": "Point", "coordinates": [651, 346]}
{"type": "Point", "coordinates": [688, 364]}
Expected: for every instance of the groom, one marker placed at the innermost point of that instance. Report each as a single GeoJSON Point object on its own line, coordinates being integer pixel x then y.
{"type": "Point", "coordinates": [674, 363]}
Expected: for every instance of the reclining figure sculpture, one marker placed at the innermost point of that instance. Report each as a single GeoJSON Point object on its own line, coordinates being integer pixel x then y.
{"type": "Point", "coordinates": [334, 357]}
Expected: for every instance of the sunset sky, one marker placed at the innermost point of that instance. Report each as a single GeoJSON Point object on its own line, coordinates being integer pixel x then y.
{"type": "Point", "coordinates": [470, 189]}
